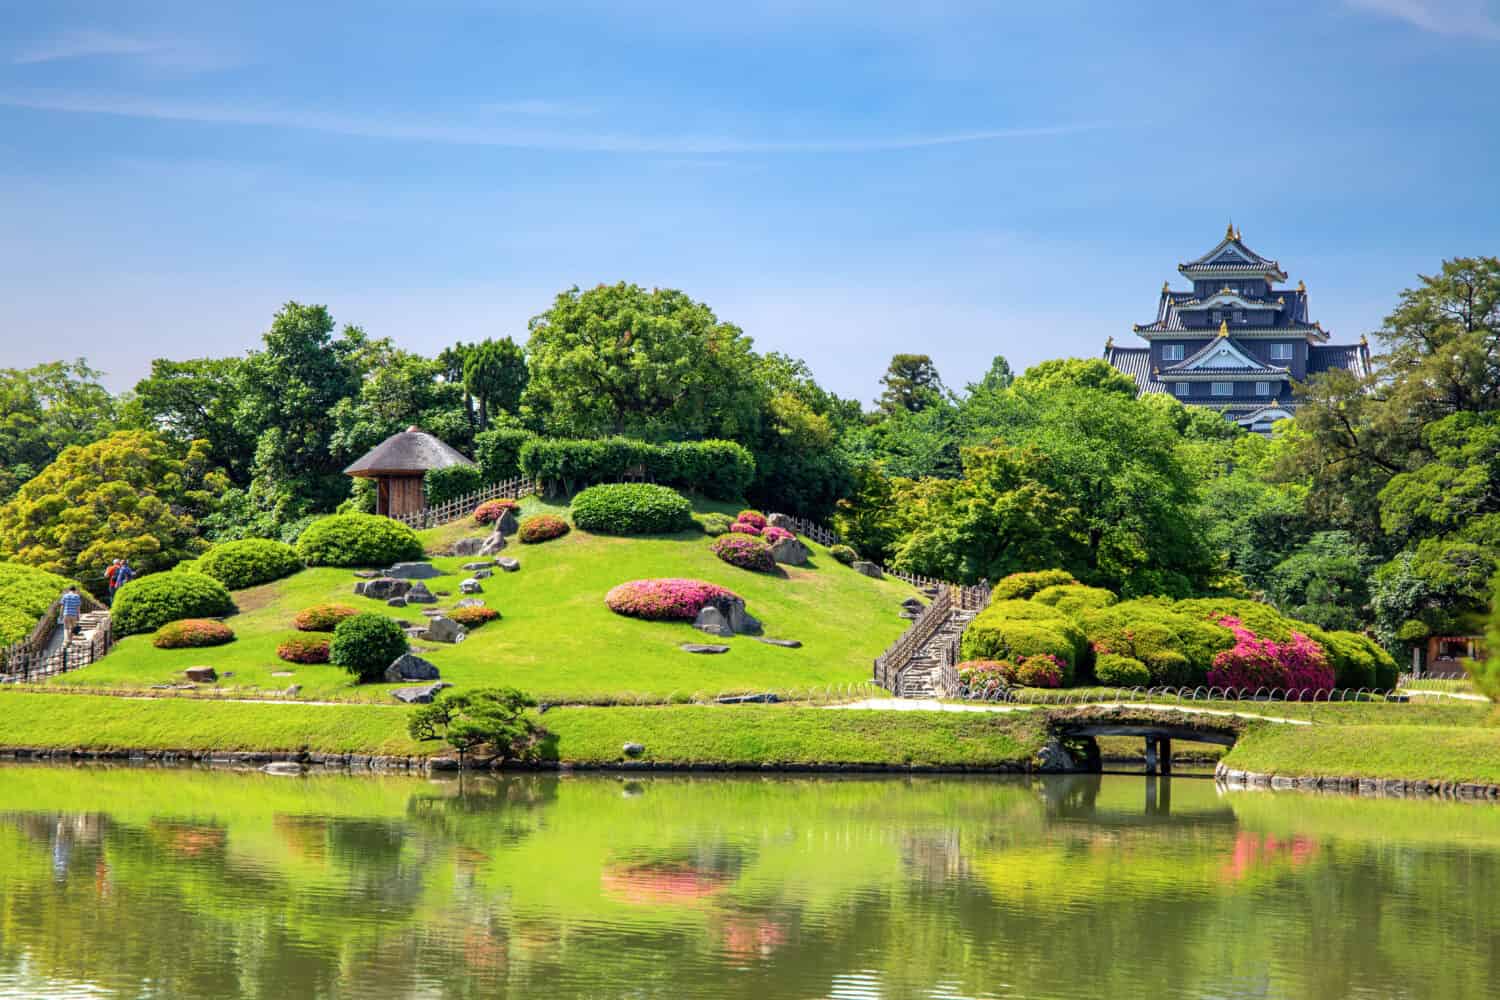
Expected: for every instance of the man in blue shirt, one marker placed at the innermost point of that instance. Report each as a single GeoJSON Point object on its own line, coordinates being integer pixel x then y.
{"type": "Point", "coordinates": [72, 607]}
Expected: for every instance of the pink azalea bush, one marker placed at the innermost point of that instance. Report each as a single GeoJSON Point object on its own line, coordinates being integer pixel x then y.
{"type": "Point", "coordinates": [664, 598]}
{"type": "Point", "coordinates": [1040, 670]}
{"type": "Point", "coordinates": [771, 533]}
{"type": "Point", "coordinates": [745, 552]}
{"type": "Point", "coordinates": [1253, 662]}
{"type": "Point", "coordinates": [754, 518]}
{"type": "Point", "coordinates": [493, 510]}
{"type": "Point", "coordinates": [744, 528]}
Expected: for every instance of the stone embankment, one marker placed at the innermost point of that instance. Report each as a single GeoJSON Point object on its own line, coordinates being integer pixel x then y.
{"type": "Point", "coordinates": [1375, 787]}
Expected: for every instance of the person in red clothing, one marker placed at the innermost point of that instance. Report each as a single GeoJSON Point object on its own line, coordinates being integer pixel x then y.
{"type": "Point", "coordinates": [109, 579]}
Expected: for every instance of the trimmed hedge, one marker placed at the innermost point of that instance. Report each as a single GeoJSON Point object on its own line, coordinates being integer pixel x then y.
{"type": "Point", "coordinates": [248, 562]}
{"type": "Point", "coordinates": [1020, 586]}
{"type": "Point", "coordinates": [1177, 648]}
{"type": "Point", "coordinates": [719, 469]}
{"type": "Point", "coordinates": [542, 528]}
{"type": "Point", "coordinates": [366, 645]}
{"type": "Point", "coordinates": [1008, 630]}
{"type": "Point", "coordinates": [631, 509]}
{"type": "Point", "coordinates": [149, 602]}
{"type": "Point", "coordinates": [25, 595]}
{"type": "Point", "coordinates": [190, 633]}
{"type": "Point", "coordinates": [1116, 670]}
{"type": "Point", "coordinates": [714, 525]}
{"type": "Point", "coordinates": [304, 649]}
{"type": "Point", "coordinates": [452, 482]}
{"type": "Point", "coordinates": [844, 554]}
{"type": "Point", "coordinates": [358, 540]}
{"type": "Point", "coordinates": [746, 552]}
{"type": "Point", "coordinates": [1074, 598]}
{"type": "Point", "coordinates": [322, 617]}
{"type": "Point", "coordinates": [498, 453]}
{"type": "Point", "coordinates": [664, 599]}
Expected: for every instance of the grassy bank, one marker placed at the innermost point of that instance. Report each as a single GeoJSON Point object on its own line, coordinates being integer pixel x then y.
{"type": "Point", "coordinates": [1422, 752]}
{"type": "Point", "coordinates": [750, 734]}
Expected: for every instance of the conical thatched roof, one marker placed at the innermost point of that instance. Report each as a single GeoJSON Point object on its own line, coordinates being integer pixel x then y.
{"type": "Point", "coordinates": [411, 452]}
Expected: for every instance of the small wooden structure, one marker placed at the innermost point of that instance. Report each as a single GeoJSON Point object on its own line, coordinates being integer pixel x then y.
{"type": "Point", "coordinates": [399, 464]}
{"type": "Point", "coordinates": [1445, 655]}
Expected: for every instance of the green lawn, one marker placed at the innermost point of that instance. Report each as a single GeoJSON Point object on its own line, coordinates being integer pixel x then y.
{"type": "Point", "coordinates": [556, 639]}
{"type": "Point", "coordinates": [1428, 753]}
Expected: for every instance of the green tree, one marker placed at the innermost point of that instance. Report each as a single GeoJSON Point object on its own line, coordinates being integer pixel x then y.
{"type": "Point", "coordinates": [1081, 373]}
{"type": "Point", "coordinates": [401, 390]}
{"type": "Point", "coordinates": [200, 400]}
{"type": "Point", "coordinates": [1326, 582]}
{"type": "Point", "coordinates": [999, 376]}
{"type": "Point", "coordinates": [494, 374]}
{"type": "Point", "coordinates": [132, 495]}
{"type": "Point", "coordinates": [45, 409]}
{"type": "Point", "coordinates": [493, 717]}
{"type": "Point", "coordinates": [617, 359]}
{"type": "Point", "coordinates": [1486, 672]}
{"type": "Point", "coordinates": [911, 384]}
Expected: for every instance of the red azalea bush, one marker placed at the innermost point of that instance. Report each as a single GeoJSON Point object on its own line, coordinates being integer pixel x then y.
{"type": "Point", "coordinates": [771, 533]}
{"type": "Point", "coordinates": [754, 518]}
{"type": "Point", "coordinates": [191, 633]}
{"type": "Point", "coordinates": [1253, 663]}
{"type": "Point", "coordinates": [473, 617]}
{"type": "Point", "coordinates": [664, 599]}
{"type": "Point", "coordinates": [542, 528]}
{"type": "Point", "coordinates": [744, 528]}
{"type": "Point", "coordinates": [493, 510]}
{"type": "Point", "coordinates": [304, 649]}
{"type": "Point", "coordinates": [322, 617]}
{"type": "Point", "coordinates": [745, 552]}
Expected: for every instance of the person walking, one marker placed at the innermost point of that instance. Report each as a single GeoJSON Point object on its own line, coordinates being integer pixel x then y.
{"type": "Point", "coordinates": [123, 575]}
{"type": "Point", "coordinates": [72, 608]}
{"type": "Point", "coordinates": [109, 581]}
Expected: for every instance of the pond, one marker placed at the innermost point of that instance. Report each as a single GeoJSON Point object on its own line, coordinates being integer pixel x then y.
{"type": "Point", "coordinates": [124, 882]}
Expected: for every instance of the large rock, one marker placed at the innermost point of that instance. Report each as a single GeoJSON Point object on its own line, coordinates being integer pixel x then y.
{"type": "Point", "coordinates": [713, 621]}
{"type": "Point", "coordinates": [414, 571]}
{"type": "Point", "coordinates": [201, 675]}
{"type": "Point", "coordinates": [781, 521]}
{"type": "Point", "coordinates": [467, 546]}
{"type": "Point", "coordinates": [445, 630]}
{"type": "Point", "coordinates": [494, 543]}
{"type": "Point", "coordinates": [483, 574]}
{"type": "Point", "coordinates": [410, 667]}
{"type": "Point", "coordinates": [421, 694]}
{"type": "Point", "coordinates": [1055, 758]}
{"type": "Point", "coordinates": [419, 594]}
{"type": "Point", "coordinates": [382, 588]}
{"type": "Point", "coordinates": [633, 749]}
{"type": "Point", "coordinates": [469, 602]}
{"type": "Point", "coordinates": [396, 602]}
{"type": "Point", "coordinates": [790, 551]}
{"type": "Point", "coordinates": [471, 586]}
{"type": "Point", "coordinates": [867, 568]}
{"type": "Point", "coordinates": [508, 564]}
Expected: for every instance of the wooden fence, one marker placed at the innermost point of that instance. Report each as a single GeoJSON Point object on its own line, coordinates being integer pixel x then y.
{"type": "Point", "coordinates": [459, 507]}
{"type": "Point", "coordinates": [890, 665]}
{"type": "Point", "coordinates": [28, 659]}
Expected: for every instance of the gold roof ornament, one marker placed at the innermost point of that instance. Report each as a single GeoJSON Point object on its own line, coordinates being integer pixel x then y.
{"type": "Point", "coordinates": [1281, 300]}
{"type": "Point", "coordinates": [1229, 231]}
{"type": "Point", "coordinates": [1302, 287]}
{"type": "Point", "coordinates": [1224, 328]}
{"type": "Point", "coordinates": [1166, 286]}
{"type": "Point", "coordinates": [1109, 342]}
{"type": "Point", "coordinates": [1364, 341]}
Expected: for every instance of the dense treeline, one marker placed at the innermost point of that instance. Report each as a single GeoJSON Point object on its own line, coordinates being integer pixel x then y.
{"type": "Point", "coordinates": [1377, 508]}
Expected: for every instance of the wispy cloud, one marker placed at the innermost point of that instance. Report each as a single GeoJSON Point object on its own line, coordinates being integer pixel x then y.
{"type": "Point", "coordinates": [465, 134]}
{"type": "Point", "coordinates": [173, 54]}
{"type": "Point", "coordinates": [1461, 18]}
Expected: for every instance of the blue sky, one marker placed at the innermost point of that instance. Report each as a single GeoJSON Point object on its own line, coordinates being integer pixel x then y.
{"type": "Point", "coordinates": [843, 180]}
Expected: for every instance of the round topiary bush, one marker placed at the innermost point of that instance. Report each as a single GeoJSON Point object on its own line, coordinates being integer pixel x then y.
{"type": "Point", "coordinates": [664, 599]}
{"type": "Point", "coordinates": [542, 528]}
{"type": "Point", "coordinates": [1075, 598]}
{"type": "Point", "coordinates": [366, 644]}
{"type": "Point", "coordinates": [249, 562]}
{"type": "Point", "coordinates": [304, 649]}
{"type": "Point", "coordinates": [754, 518]}
{"type": "Point", "coordinates": [358, 540]}
{"type": "Point", "coordinates": [1020, 586]}
{"type": "Point", "coordinates": [190, 633]}
{"type": "Point", "coordinates": [715, 525]}
{"type": "Point", "coordinates": [745, 528]}
{"type": "Point", "coordinates": [322, 617]}
{"type": "Point", "coordinates": [472, 618]}
{"type": "Point", "coordinates": [844, 554]}
{"type": "Point", "coordinates": [1121, 671]}
{"type": "Point", "coordinates": [745, 552]}
{"type": "Point", "coordinates": [1011, 630]}
{"type": "Point", "coordinates": [631, 509]}
{"type": "Point", "coordinates": [148, 603]}
{"type": "Point", "coordinates": [493, 510]}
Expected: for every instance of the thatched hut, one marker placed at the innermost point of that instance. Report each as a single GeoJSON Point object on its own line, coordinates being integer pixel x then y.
{"type": "Point", "coordinates": [399, 464]}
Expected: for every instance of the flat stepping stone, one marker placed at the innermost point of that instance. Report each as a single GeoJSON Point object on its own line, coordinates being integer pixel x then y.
{"type": "Point", "coordinates": [414, 571]}
{"type": "Point", "coordinates": [769, 698]}
{"type": "Point", "coordinates": [783, 643]}
{"type": "Point", "coordinates": [281, 673]}
{"type": "Point", "coordinates": [703, 647]}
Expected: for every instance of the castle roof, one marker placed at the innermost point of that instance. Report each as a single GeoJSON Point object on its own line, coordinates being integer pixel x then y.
{"type": "Point", "coordinates": [1220, 357]}
{"type": "Point", "coordinates": [1231, 256]}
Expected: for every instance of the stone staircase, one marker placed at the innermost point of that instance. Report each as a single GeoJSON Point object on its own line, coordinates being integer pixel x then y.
{"type": "Point", "coordinates": [919, 680]}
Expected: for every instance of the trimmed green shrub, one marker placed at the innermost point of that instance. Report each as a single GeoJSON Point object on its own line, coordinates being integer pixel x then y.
{"type": "Point", "coordinates": [631, 509]}
{"type": "Point", "coordinates": [188, 566]}
{"type": "Point", "coordinates": [844, 554]}
{"type": "Point", "coordinates": [1357, 660]}
{"type": "Point", "coordinates": [714, 525]}
{"type": "Point", "coordinates": [718, 469]}
{"type": "Point", "coordinates": [1029, 611]}
{"type": "Point", "coordinates": [147, 603]}
{"type": "Point", "coordinates": [498, 453]}
{"type": "Point", "coordinates": [366, 645]}
{"type": "Point", "coordinates": [746, 552]}
{"type": "Point", "coordinates": [472, 618]}
{"type": "Point", "coordinates": [1116, 670]}
{"type": "Point", "coordinates": [1176, 648]}
{"type": "Point", "coordinates": [1075, 598]}
{"type": "Point", "coordinates": [358, 540]}
{"type": "Point", "coordinates": [322, 617]}
{"type": "Point", "coordinates": [452, 482]}
{"type": "Point", "coordinates": [1020, 586]}
{"type": "Point", "coordinates": [25, 595]}
{"type": "Point", "coordinates": [249, 562]}
{"type": "Point", "coordinates": [191, 633]}
{"type": "Point", "coordinates": [1010, 639]}
{"type": "Point", "coordinates": [542, 528]}
{"type": "Point", "coordinates": [304, 649]}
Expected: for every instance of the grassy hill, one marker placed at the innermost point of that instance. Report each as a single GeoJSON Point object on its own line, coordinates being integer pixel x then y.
{"type": "Point", "coordinates": [556, 639]}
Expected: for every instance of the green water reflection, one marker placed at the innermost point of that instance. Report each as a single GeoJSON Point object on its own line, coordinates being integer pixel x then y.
{"type": "Point", "coordinates": [168, 883]}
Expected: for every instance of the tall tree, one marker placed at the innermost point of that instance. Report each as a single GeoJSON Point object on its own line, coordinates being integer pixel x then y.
{"type": "Point", "coordinates": [494, 374]}
{"type": "Point", "coordinates": [199, 400]}
{"type": "Point", "coordinates": [911, 384]}
{"type": "Point", "coordinates": [999, 376]}
{"type": "Point", "coordinates": [45, 409]}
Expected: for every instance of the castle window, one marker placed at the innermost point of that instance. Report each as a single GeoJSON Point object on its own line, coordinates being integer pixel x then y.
{"type": "Point", "coordinates": [1218, 315]}
{"type": "Point", "coordinates": [1239, 315]}
{"type": "Point", "coordinates": [1223, 388]}
{"type": "Point", "coordinates": [1262, 388]}
{"type": "Point", "coordinates": [1281, 352]}
{"type": "Point", "coordinates": [1180, 388]}
{"type": "Point", "coordinates": [1171, 352]}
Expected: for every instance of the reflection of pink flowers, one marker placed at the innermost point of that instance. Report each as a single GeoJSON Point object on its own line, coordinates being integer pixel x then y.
{"type": "Point", "coordinates": [1253, 662]}
{"type": "Point", "coordinates": [647, 885]}
{"type": "Point", "coordinates": [1251, 851]}
{"type": "Point", "coordinates": [664, 599]}
{"type": "Point", "coordinates": [747, 940]}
